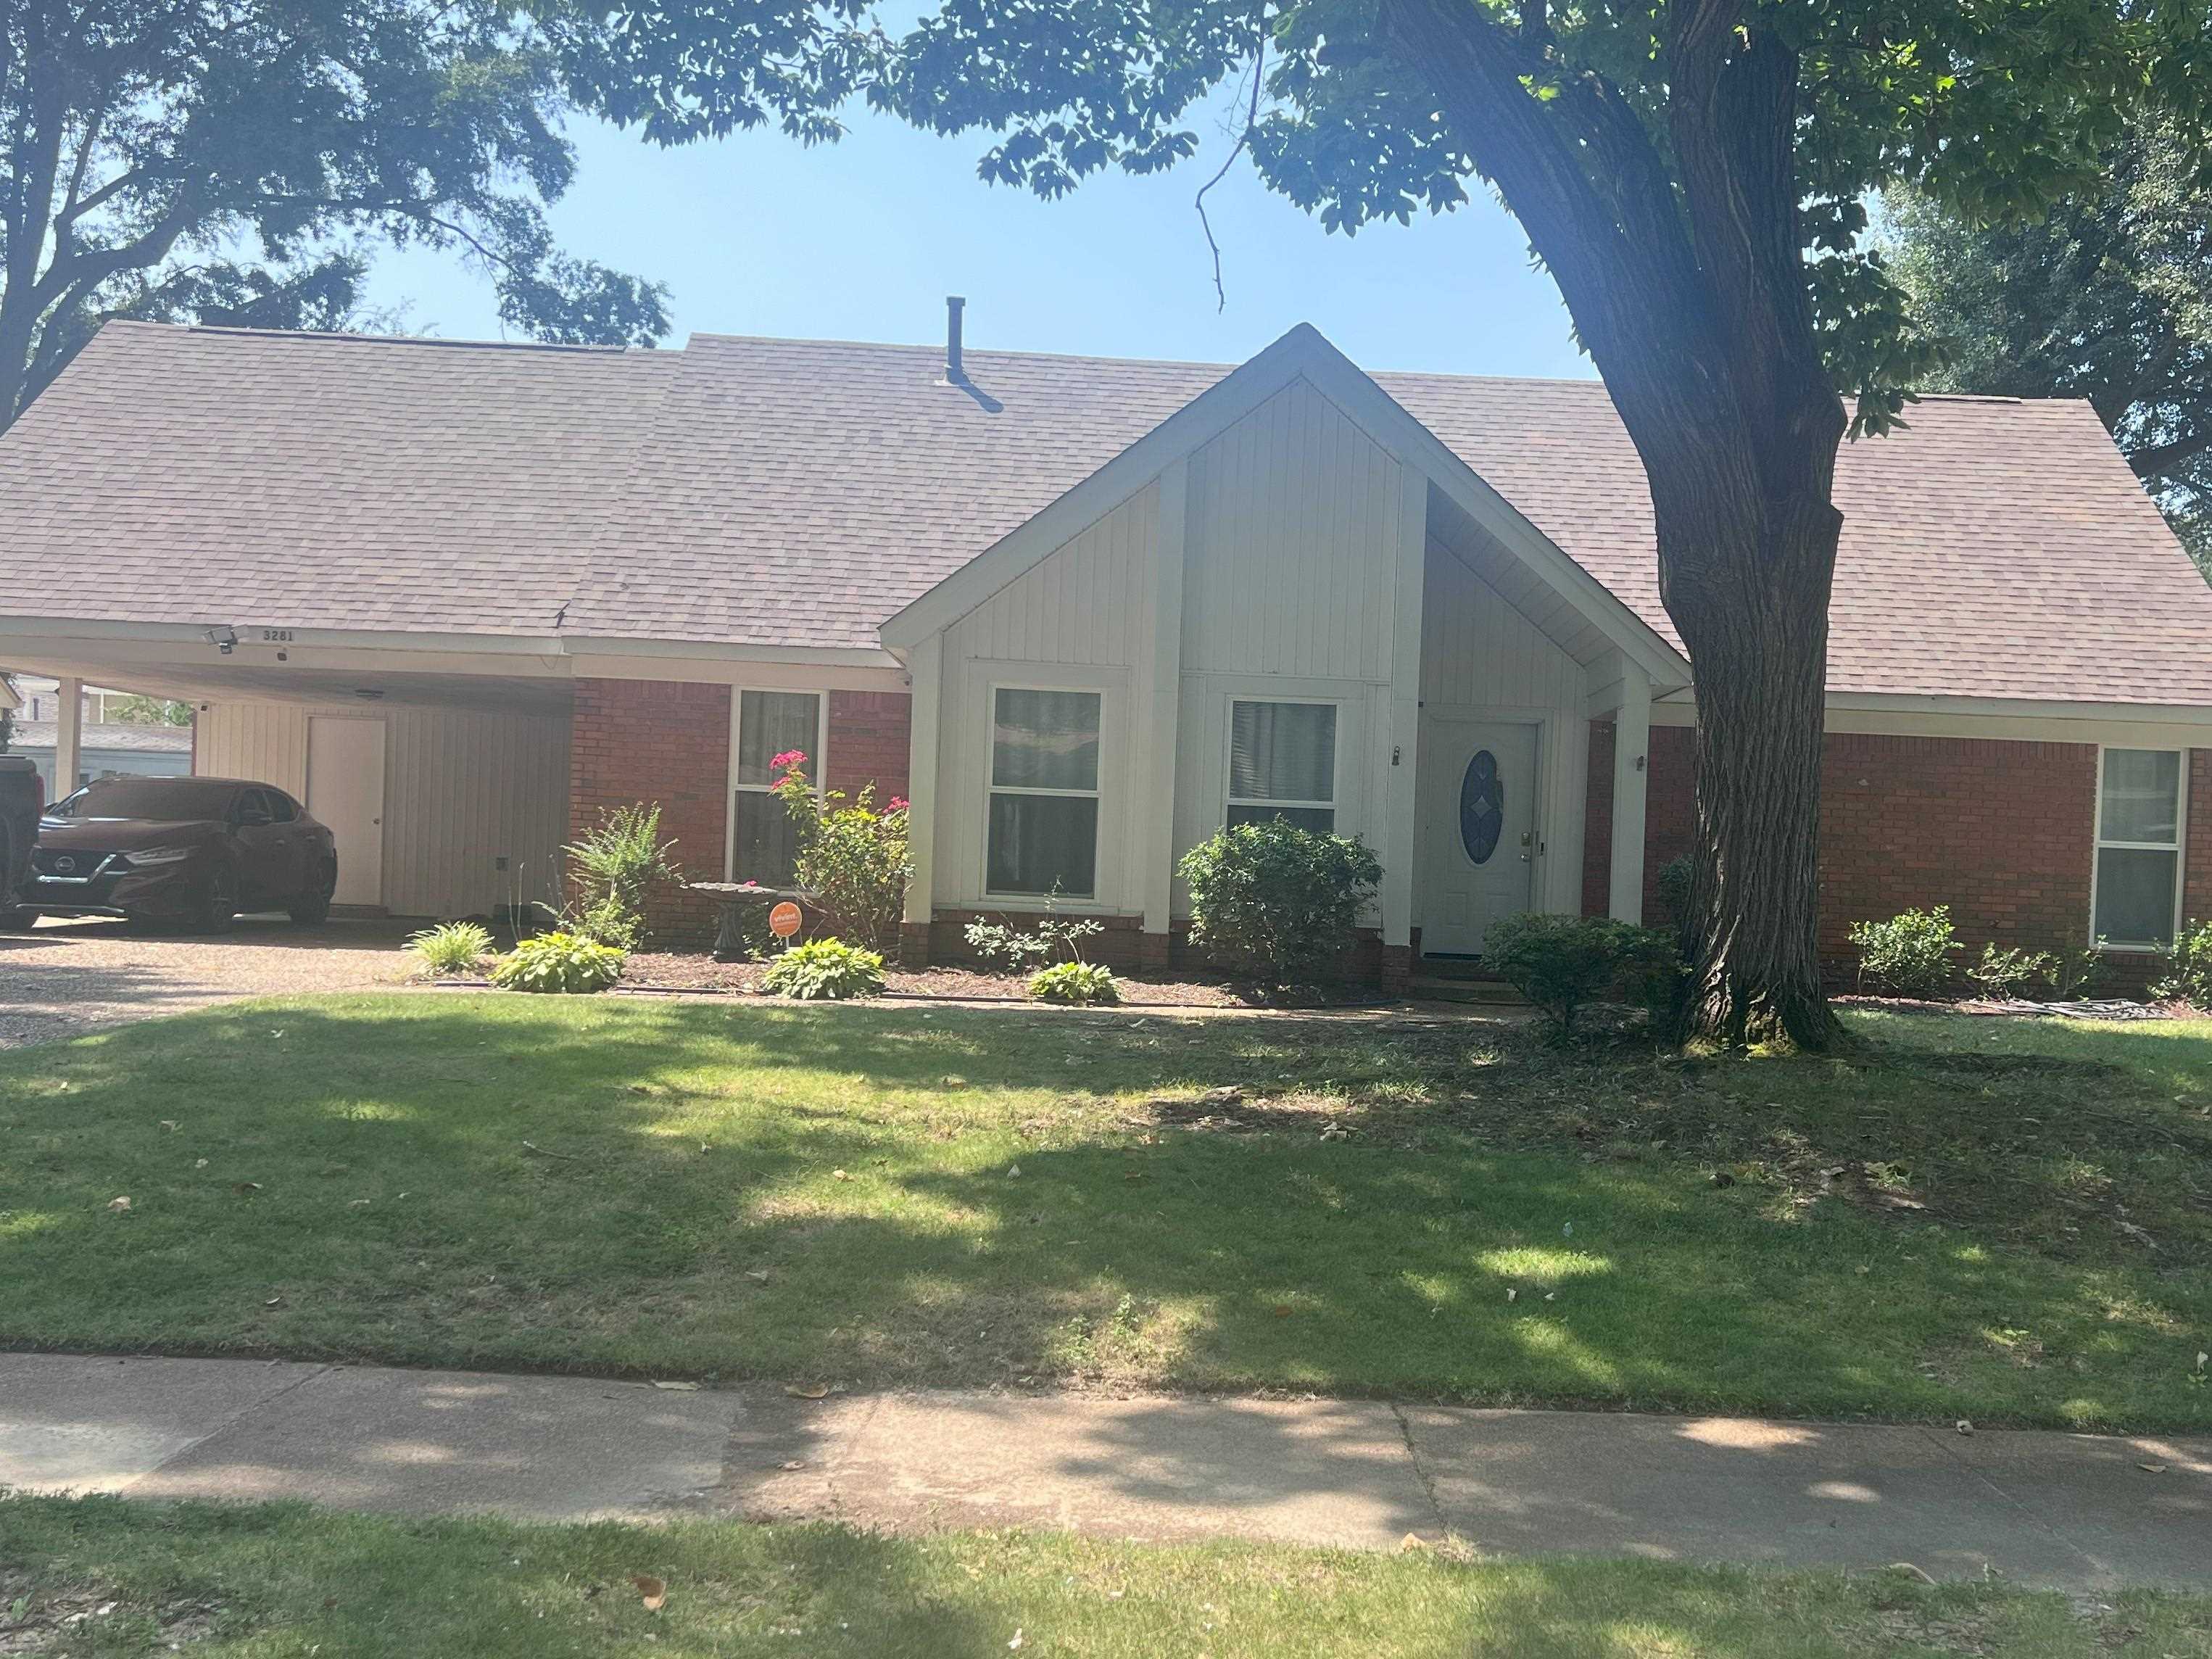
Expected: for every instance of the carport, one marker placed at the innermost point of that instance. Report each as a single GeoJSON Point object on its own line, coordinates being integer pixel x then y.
{"type": "Point", "coordinates": [442, 772]}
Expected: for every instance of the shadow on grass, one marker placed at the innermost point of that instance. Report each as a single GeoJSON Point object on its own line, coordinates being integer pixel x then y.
{"type": "Point", "coordinates": [892, 1198]}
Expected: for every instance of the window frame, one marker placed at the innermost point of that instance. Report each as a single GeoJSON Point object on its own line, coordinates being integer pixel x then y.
{"type": "Point", "coordinates": [2179, 846]}
{"type": "Point", "coordinates": [817, 760]}
{"type": "Point", "coordinates": [1095, 899]}
{"type": "Point", "coordinates": [1334, 807]}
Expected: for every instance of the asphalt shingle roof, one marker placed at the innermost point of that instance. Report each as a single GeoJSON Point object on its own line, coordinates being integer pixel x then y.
{"type": "Point", "coordinates": [796, 493]}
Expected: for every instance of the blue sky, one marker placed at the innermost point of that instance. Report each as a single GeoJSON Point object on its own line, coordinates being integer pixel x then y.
{"type": "Point", "coordinates": [863, 238]}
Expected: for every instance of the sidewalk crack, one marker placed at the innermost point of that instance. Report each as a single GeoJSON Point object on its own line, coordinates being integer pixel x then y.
{"type": "Point", "coordinates": [229, 1423]}
{"type": "Point", "coordinates": [833, 1469]}
{"type": "Point", "coordinates": [2021, 1506]}
{"type": "Point", "coordinates": [1422, 1475]}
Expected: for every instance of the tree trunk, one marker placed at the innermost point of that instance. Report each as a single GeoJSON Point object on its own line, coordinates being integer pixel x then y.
{"type": "Point", "coordinates": [1749, 593]}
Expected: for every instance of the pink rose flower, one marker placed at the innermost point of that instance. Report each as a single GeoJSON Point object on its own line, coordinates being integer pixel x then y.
{"type": "Point", "coordinates": [789, 759]}
{"type": "Point", "coordinates": [898, 802]}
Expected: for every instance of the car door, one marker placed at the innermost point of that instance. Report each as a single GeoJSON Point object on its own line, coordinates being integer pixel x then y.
{"type": "Point", "coordinates": [267, 873]}
{"type": "Point", "coordinates": [300, 860]}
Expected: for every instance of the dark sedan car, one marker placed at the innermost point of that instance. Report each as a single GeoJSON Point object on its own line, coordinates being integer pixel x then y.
{"type": "Point", "coordinates": [187, 852]}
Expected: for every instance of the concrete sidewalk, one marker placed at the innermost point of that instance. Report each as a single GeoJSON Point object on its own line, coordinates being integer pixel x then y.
{"type": "Point", "coordinates": [2077, 1512]}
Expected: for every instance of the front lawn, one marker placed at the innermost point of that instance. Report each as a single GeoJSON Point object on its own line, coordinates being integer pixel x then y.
{"type": "Point", "coordinates": [103, 1576]}
{"type": "Point", "coordinates": [2003, 1221]}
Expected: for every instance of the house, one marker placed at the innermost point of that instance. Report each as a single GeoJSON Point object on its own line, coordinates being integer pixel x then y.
{"type": "Point", "coordinates": [108, 746]}
{"type": "Point", "coordinates": [461, 597]}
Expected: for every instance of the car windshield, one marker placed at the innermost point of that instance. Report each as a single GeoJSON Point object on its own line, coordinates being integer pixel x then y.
{"type": "Point", "coordinates": [180, 799]}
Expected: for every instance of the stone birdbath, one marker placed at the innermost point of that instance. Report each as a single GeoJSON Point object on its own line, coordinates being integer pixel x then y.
{"type": "Point", "coordinates": [743, 904]}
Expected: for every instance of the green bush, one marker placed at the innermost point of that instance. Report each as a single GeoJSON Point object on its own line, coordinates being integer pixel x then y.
{"type": "Point", "coordinates": [451, 947]}
{"type": "Point", "coordinates": [851, 857]}
{"type": "Point", "coordinates": [1277, 902]}
{"type": "Point", "coordinates": [2002, 973]}
{"type": "Point", "coordinates": [558, 961]}
{"type": "Point", "coordinates": [612, 867]}
{"type": "Point", "coordinates": [2077, 968]}
{"type": "Point", "coordinates": [1910, 954]}
{"type": "Point", "coordinates": [2188, 963]}
{"type": "Point", "coordinates": [825, 970]}
{"type": "Point", "coordinates": [1563, 963]}
{"type": "Point", "coordinates": [1673, 881]}
{"type": "Point", "coordinates": [995, 942]}
{"type": "Point", "coordinates": [1075, 982]}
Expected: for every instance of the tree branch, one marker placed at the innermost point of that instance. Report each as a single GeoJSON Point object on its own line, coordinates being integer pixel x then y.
{"type": "Point", "coordinates": [1243, 138]}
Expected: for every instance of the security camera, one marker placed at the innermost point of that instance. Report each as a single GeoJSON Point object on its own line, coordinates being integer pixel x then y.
{"type": "Point", "coordinates": [224, 639]}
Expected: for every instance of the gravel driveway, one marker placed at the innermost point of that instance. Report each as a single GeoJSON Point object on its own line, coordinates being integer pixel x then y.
{"type": "Point", "coordinates": [64, 977]}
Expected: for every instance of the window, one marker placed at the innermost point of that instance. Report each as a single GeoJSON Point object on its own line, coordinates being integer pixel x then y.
{"type": "Point", "coordinates": [1043, 829]}
{"type": "Point", "coordinates": [762, 843]}
{"type": "Point", "coordinates": [1282, 763]}
{"type": "Point", "coordinates": [2138, 845]}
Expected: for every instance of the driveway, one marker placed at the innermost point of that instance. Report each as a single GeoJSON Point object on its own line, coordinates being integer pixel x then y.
{"type": "Point", "coordinates": [64, 977]}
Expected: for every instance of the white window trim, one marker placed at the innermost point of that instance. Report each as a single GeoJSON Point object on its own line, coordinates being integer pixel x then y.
{"type": "Point", "coordinates": [1095, 898]}
{"type": "Point", "coordinates": [2179, 846]}
{"type": "Point", "coordinates": [817, 760]}
{"type": "Point", "coordinates": [1333, 806]}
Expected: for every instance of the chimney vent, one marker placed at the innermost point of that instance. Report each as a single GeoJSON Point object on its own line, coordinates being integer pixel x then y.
{"type": "Point", "coordinates": [955, 371]}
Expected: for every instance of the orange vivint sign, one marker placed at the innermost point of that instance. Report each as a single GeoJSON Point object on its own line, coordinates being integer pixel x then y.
{"type": "Point", "coordinates": [783, 920]}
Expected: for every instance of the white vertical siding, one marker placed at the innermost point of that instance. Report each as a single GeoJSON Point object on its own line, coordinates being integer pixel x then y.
{"type": "Point", "coordinates": [1292, 547]}
{"type": "Point", "coordinates": [1089, 602]}
{"type": "Point", "coordinates": [1477, 651]}
{"type": "Point", "coordinates": [463, 789]}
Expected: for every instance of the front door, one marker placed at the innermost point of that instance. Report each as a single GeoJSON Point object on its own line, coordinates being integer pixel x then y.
{"type": "Point", "coordinates": [345, 791]}
{"type": "Point", "coordinates": [1479, 830]}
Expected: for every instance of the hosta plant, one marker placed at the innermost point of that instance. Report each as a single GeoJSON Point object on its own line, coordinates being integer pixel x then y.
{"type": "Point", "coordinates": [1075, 982]}
{"type": "Point", "coordinates": [825, 970]}
{"type": "Point", "coordinates": [558, 962]}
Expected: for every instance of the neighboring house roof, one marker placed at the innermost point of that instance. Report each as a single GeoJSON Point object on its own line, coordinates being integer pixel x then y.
{"type": "Point", "coordinates": [111, 737]}
{"type": "Point", "coordinates": [795, 494]}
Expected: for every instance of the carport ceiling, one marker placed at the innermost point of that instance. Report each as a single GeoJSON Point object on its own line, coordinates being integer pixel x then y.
{"type": "Point", "coordinates": [369, 687]}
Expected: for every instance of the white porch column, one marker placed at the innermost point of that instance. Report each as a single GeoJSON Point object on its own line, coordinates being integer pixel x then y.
{"type": "Point", "coordinates": [1158, 716]}
{"type": "Point", "coordinates": [69, 735]}
{"type": "Point", "coordinates": [1403, 736]}
{"type": "Point", "coordinates": [1631, 743]}
{"type": "Point", "coordinates": [927, 667]}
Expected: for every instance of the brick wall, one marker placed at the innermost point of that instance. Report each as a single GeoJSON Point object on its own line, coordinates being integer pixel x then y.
{"type": "Point", "coordinates": [2196, 866]}
{"type": "Point", "coordinates": [666, 741]}
{"type": "Point", "coordinates": [2000, 831]}
{"type": "Point", "coordinates": [868, 742]}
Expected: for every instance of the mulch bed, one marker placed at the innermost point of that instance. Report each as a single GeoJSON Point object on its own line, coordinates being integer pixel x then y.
{"type": "Point", "coordinates": [2116, 1008]}
{"type": "Point", "coordinates": [668, 970]}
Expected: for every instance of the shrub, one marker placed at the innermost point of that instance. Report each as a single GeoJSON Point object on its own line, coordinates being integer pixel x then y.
{"type": "Point", "coordinates": [1563, 963]}
{"type": "Point", "coordinates": [825, 970]}
{"type": "Point", "coordinates": [558, 961]}
{"type": "Point", "coordinates": [1910, 954]}
{"type": "Point", "coordinates": [1673, 881]}
{"type": "Point", "coordinates": [994, 941]}
{"type": "Point", "coordinates": [852, 857]}
{"type": "Point", "coordinates": [1075, 982]}
{"type": "Point", "coordinates": [2188, 963]}
{"type": "Point", "coordinates": [1275, 902]}
{"type": "Point", "coordinates": [613, 867]}
{"type": "Point", "coordinates": [2077, 968]}
{"type": "Point", "coordinates": [2002, 973]}
{"type": "Point", "coordinates": [451, 947]}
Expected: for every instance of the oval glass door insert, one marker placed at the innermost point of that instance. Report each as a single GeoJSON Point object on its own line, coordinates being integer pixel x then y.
{"type": "Point", "coordinates": [1481, 806]}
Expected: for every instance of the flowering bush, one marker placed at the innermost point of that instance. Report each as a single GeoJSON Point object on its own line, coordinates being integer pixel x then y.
{"type": "Point", "coordinates": [851, 854]}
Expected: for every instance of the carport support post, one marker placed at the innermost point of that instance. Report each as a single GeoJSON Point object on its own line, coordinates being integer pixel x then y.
{"type": "Point", "coordinates": [69, 735]}
{"type": "Point", "coordinates": [1632, 744]}
{"type": "Point", "coordinates": [1159, 684]}
{"type": "Point", "coordinates": [1396, 758]}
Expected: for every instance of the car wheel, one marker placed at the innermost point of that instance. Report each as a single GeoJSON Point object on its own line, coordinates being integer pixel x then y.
{"type": "Point", "coordinates": [218, 908]}
{"type": "Point", "coordinates": [315, 907]}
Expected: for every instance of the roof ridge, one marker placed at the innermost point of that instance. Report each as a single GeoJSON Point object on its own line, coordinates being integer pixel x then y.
{"type": "Point", "coordinates": [353, 338]}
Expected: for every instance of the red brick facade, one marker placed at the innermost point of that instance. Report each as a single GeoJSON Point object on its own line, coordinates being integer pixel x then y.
{"type": "Point", "coordinates": [2000, 831]}
{"type": "Point", "coordinates": [668, 742]}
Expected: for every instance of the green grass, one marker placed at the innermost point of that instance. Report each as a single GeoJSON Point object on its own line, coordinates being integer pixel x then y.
{"type": "Point", "coordinates": [1934, 1227]}
{"type": "Point", "coordinates": [227, 1583]}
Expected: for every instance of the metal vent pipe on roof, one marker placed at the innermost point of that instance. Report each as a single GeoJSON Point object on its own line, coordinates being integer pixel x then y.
{"type": "Point", "coordinates": [954, 371]}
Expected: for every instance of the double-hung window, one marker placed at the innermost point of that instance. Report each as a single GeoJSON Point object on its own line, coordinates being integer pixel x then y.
{"type": "Point", "coordinates": [2138, 845]}
{"type": "Point", "coordinates": [1282, 763]}
{"type": "Point", "coordinates": [762, 843]}
{"type": "Point", "coordinates": [1044, 833]}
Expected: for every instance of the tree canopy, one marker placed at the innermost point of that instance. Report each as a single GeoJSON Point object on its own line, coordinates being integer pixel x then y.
{"type": "Point", "coordinates": [239, 161]}
{"type": "Point", "coordinates": [2109, 298]}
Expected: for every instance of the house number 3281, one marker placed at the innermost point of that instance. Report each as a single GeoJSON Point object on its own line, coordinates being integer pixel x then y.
{"type": "Point", "coordinates": [276, 636]}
